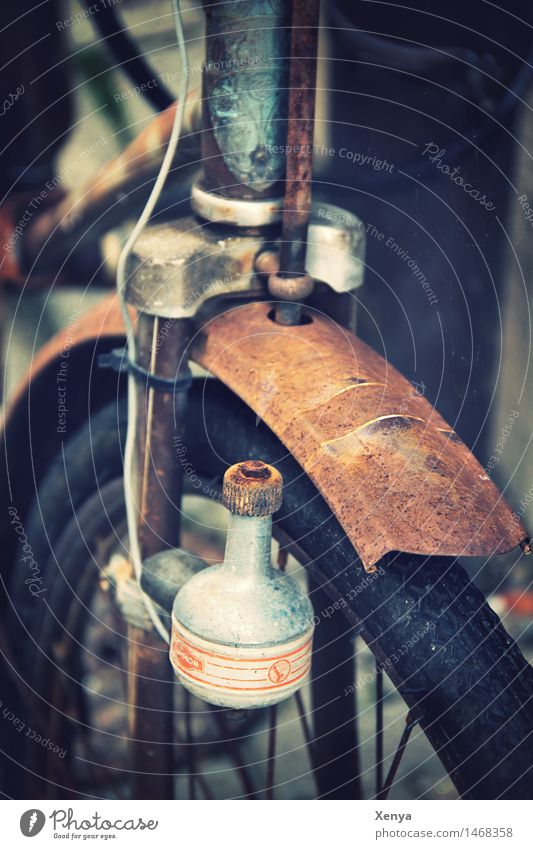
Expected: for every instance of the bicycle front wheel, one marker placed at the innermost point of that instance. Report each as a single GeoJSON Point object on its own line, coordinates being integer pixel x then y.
{"type": "Point", "coordinates": [465, 682]}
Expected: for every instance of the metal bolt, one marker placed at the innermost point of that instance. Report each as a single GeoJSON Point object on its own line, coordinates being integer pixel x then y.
{"type": "Point", "coordinates": [290, 288]}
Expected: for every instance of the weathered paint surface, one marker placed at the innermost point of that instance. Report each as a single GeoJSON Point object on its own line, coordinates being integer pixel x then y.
{"type": "Point", "coordinates": [245, 87]}
{"type": "Point", "coordinates": [393, 472]}
{"type": "Point", "coordinates": [389, 466]}
{"type": "Point", "coordinates": [242, 631]}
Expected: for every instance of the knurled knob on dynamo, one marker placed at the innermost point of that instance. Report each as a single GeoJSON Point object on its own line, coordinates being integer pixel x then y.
{"type": "Point", "coordinates": [252, 488]}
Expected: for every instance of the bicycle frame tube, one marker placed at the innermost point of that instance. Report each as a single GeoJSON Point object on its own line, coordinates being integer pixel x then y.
{"type": "Point", "coordinates": [258, 124]}
{"type": "Point", "coordinates": [245, 98]}
{"type": "Point", "coordinates": [160, 417]}
{"type": "Point", "coordinates": [244, 124]}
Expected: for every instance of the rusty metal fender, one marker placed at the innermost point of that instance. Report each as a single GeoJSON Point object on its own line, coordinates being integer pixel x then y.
{"type": "Point", "coordinates": [394, 473]}
{"type": "Point", "coordinates": [30, 436]}
{"type": "Point", "coordinates": [397, 477]}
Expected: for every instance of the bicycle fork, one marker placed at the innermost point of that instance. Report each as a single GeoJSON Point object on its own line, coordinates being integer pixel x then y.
{"type": "Point", "coordinates": [246, 79]}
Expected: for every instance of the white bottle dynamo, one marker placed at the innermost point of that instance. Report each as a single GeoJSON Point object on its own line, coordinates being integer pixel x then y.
{"type": "Point", "coordinates": [242, 631]}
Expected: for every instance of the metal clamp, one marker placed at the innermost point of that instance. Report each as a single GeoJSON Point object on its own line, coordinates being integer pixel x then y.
{"type": "Point", "coordinates": [118, 361]}
{"type": "Point", "coordinates": [176, 268]}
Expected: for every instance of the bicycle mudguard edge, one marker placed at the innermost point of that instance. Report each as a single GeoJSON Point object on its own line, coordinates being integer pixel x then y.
{"type": "Point", "coordinates": [393, 472]}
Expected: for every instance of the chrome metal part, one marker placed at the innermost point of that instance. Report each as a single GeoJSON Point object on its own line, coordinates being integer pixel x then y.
{"type": "Point", "coordinates": [336, 247]}
{"type": "Point", "coordinates": [245, 94]}
{"type": "Point", "coordinates": [175, 268]}
{"type": "Point", "coordinates": [217, 208]}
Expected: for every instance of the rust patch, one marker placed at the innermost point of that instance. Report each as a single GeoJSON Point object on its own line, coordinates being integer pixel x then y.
{"type": "Point", "coordinates": [301, 111]}
{"type": "Point", "coordinates": [393, 472]}
{"type": "Point", "coordinates": [451, 435]}
{"type": "Point", "coordinates": [358, 381]}
{"type": "Point", "coordinates": [415, 489]}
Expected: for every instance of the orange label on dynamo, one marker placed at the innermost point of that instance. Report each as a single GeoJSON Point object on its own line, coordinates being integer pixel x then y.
{"type": "Point", "coordinates": [237, 669]}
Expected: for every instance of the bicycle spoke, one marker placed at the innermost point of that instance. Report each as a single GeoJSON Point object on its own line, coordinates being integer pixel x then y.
{"type": "Point", "coordinates": [303, 719]}
{"type": "Point", "coordinates": [357, 754]}
{"type": "Point", "coordinates": [189, 743]}
{"type": "Point", "coordinates": [379, 728]}
{"type": "Point", "coordinates": [271, 756]}
{"type": "Point", "coordinates": [243, 773]}
{"type": "Point", "coordinates": [283, 556]}
{"type": "Point", "coordinates": [235, 754]}
{"type": "Point", "coordinates": [410, 723]}
{"type": "Point", "coordinates": [198, 776]}
{"type": "Point", "coordinates": [336, 737]}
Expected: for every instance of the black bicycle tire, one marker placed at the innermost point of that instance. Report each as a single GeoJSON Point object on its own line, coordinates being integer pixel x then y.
{"type": "Point", "coordinates": [465, 679]}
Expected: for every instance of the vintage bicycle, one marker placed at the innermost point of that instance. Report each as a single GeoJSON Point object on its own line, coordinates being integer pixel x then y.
{"type": "Point", "coordinates": [113, 447]}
